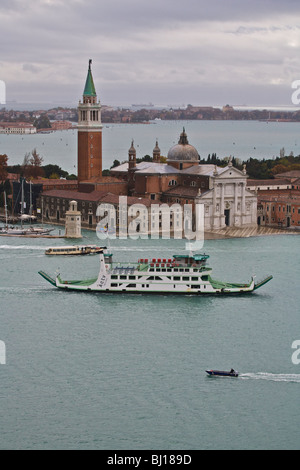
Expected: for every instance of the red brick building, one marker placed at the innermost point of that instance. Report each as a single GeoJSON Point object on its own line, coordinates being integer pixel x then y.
{"type": "Point", "coordinates": [279, 209]}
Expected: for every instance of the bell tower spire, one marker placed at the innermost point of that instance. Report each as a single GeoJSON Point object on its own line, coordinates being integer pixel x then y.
{"type": "Point", "coordinates": [89, 132]}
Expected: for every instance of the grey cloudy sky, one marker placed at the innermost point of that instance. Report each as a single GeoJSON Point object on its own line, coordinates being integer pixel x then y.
{"type": "Point", "coordinates": [165, 51]}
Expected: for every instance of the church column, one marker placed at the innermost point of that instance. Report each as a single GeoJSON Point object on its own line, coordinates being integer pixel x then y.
{"type": "Point", "coordinates": [222, 206]}
{"type": "Point", "coordinates": [235, 202]}
{"type": "Point", "coordinates": [243, 198]}
{"type": "Point", "coordinates": [214, 205]}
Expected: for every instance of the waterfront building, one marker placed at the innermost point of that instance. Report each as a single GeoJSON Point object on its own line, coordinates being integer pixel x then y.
{"type": "Point", "coordinates": [269, 184]}
{"type": "Point", "coordinates": [61, 125]}
{"type": "Point", "coordinates": [279, 209]}
{"type": "Point", "coordinates": [17, 128]}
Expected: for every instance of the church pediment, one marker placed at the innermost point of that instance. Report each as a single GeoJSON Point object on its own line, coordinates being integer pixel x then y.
{"type": "Point", "coordinates": [231, 172]}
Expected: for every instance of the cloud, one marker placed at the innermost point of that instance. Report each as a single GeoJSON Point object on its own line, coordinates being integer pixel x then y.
{"type": "Point", "coordinates": [182, 51]}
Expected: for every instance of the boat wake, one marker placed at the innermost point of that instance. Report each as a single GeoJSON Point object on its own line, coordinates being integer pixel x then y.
{"type": "Point", "coordinates": [295, 378]}
{"type": "Point", "coordinates": [21, 247]}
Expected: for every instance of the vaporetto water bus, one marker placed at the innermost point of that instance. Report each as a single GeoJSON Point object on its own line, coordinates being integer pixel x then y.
{"type": "Point", "coordinates": [79, 250]}
{"type": "Point", "coordinates": [182, 274]}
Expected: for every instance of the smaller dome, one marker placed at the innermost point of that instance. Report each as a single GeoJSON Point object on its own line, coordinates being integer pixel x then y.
{"type": "Point", "coordinates": [183, 151]}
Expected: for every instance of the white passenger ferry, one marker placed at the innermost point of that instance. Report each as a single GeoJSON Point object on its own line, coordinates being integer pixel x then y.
{"type": "Point", "coordinates": [182, 274]}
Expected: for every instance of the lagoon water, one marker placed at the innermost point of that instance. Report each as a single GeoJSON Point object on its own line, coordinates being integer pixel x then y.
{"type": "Point", "coordinates": [242, 139]}
{"type": "Point", "coordinates": [89, 371]}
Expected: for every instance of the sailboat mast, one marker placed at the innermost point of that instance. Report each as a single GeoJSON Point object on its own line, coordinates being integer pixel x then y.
{"type": "Point", "coordinates": [22, 202]}
{"type": "Point", "coordinates": [30, 209]}
{"type": "Point", "coordinates": [5, 208]}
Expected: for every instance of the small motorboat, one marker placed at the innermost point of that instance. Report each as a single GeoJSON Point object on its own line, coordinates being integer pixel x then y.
{"type": "Point", "coordinates": [223, 373]}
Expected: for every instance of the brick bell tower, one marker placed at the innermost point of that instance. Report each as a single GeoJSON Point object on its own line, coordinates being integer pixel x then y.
{"type": "Point", "coordinates": [89, 132]}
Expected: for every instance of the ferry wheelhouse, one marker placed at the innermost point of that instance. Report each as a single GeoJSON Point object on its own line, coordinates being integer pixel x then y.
{"type": "Point", "coordinates": [181, 274]}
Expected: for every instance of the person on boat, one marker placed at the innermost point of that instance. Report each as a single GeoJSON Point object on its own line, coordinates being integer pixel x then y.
{"type": "Point", "coordinates": [232, 371]}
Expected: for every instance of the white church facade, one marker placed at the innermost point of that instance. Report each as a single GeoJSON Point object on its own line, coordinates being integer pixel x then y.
{"type": "Point", "coordinates": [228, 203]}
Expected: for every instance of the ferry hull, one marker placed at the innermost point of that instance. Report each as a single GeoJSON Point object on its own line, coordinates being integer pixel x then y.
{"type": "Point", "coordinates": [91, 287]}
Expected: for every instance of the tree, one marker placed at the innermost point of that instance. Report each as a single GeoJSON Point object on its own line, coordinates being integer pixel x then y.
{"type": "Point", "coordinates": [282, 152]}
{"type": "Point", "coordinates": [35, 159]}
{"type": "Point", "coordinates": [42, 122]}
{"type": "Point", "coordinates": [115, 163]}
{"type": "Point", "coordinates": [3, 167]}
{"type": "Point", "coordinates": [50, 169]}
{"type": "Point", "coordinates": [32, 165]}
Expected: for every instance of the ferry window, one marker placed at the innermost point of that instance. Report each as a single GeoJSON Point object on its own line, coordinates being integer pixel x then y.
{"type": "Point", "coordinates": [157, 278]}
{"type": "Point", "coordinates": [176, 270]}
{"type": "Point", "coordinates": [151, 278]}
{"type": "Point", "coordinates": [132, 278]}
{"type": "Point", "coordinates": [114, 285]}
{"type": "Point", "coordinates": [114, 276]}
{"type": "Point", "coordinates": [131, 285]}
{"type": "Point", "coordinates": [204, 278]}
{"type": "Point", "coordinates": [123, 277]}
{"type": "Point", "coordinates": [195, 286]}
{"type": "Point", "coordinates": [176, 278]}
{"type": "Point", "coordinates": [185, 278]}
{"type": "Point", "coordinates": [194, 279]}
